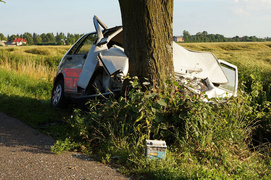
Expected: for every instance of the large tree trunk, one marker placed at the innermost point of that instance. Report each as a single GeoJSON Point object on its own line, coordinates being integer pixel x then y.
{"type": "Point", "coordinates": [148, 37]}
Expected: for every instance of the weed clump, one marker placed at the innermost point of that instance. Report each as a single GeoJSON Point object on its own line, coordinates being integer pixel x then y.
{"type": "Point", "coordinates": [204, 140]}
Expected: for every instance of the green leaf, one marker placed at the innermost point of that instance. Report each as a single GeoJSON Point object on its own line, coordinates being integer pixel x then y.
{"type": "Point", "coordinates": [162, 102]}
{"type": "Point", "coordinates": [175, 83]}
{"type": "Point", "coordinates": [140, 118]}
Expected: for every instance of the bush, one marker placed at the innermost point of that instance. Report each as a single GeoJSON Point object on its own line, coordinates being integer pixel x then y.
{"type": "Point", "coordinates": [210, 139]}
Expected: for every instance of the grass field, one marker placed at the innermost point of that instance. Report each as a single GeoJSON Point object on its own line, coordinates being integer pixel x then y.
{"type": "Point", "coordinates": [223, 142]}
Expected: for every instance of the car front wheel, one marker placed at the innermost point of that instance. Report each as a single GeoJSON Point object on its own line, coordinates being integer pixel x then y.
{"type": "Point", "coordinates": [58, 99]}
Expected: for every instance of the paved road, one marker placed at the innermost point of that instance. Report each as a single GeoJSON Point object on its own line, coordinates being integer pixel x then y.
{"type": "Point", "coordinates": [25, 154]}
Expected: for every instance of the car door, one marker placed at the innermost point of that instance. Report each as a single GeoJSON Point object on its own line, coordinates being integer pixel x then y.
{"type": "Point", "coordinates": [231, 71]}
{"type": "Point", "coordinates": [74, 62]}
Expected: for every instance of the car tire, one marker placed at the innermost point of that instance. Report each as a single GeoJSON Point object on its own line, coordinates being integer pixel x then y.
{"type": "Point", "coordinates": [58, 98]}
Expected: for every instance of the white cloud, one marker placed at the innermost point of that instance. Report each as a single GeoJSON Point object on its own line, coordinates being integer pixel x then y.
{"type": "Point", "coordinates": [249, 7]}
{"type": "Point", "coordinates": [239, 11]}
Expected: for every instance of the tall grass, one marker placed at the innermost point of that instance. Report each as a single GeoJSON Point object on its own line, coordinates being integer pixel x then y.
{"type": "Point", "coordinates": [254, 65]}
{"type": "Point", "coordinates": [204, 140]}
{"type": "Point", "coordinates": [26, 84]}
{"type": "Point", "coordinates": [36, 62]}
{"type": "Point", "coordinates": [33, 69]}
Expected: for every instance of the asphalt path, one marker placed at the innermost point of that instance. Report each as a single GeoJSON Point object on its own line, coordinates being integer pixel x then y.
{"type": "Point", "coordinates": [25, 154]}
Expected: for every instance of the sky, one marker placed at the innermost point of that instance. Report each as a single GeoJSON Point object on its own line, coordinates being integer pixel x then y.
{"type": "Point", "coordinates": [227, 17]}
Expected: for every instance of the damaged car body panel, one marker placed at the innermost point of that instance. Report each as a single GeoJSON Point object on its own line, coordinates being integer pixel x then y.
{"type": "Point", "coordinates": [200, 64]}
{"type": "Point", "coordinates": [101, 47]}
{"type": "Point", "coordinates": [202, 72]}
{"type": "Point", "coordinates": [96, 65]}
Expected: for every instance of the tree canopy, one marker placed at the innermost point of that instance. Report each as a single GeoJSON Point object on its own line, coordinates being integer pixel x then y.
{"type": "Point", "coordinates": [44, 38]}
{"type": "Point", "coordinates": [2, 37]}
{"type": "Point", "coordinates": [205, 37]}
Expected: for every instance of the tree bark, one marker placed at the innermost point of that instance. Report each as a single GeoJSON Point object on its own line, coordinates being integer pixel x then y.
{"type": "Point", "coordinates": [148, 37]}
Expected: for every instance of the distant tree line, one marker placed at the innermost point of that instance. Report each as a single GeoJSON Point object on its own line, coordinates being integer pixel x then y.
{"type": "Point", "coordinates": [62, 39]}
{"type": "Point", "coordinates": [44, 39]}
{"type": "Point", "coordinates": [205, 37]}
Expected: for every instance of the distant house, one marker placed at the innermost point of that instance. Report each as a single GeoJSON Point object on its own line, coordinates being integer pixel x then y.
{"type": "Point", "coordinates": [178, 39]}
{"type": "Point", "coordinates": [18, 41]}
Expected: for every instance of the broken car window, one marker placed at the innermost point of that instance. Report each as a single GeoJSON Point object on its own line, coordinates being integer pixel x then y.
{"type": "Point", "coordinates": [85, 46]}
{"type": "Point", "coordinates": [76, 45]}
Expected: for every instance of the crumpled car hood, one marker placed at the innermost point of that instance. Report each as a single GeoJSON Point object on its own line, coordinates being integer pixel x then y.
{"type": "Point", "coordinates": [198, 64]}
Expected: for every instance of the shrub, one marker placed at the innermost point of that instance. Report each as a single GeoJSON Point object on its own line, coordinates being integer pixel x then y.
{"type": "Point", "coordinates": [200, 135]}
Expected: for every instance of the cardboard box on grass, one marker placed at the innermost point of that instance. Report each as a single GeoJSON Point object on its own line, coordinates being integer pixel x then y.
{"type": "Point", "coordinates": [155, 149]}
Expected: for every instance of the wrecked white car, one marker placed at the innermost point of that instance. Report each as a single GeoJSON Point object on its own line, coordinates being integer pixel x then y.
{"type": "Point", "coordinates": [97, 68]}
{"type": "Point", "coordinates": [203, 73]}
